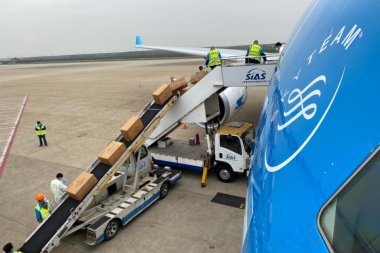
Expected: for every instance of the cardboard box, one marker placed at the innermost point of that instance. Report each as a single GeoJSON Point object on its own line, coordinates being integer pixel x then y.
{"type": "Point", "coordinates": [132, 128]}
{"type": "Point", "coordinates": [197, 77]}
{"type": "Point", "coordinates": [81, 186]}
{"type": "Point", "coordinates": [183, 91]}
{"type": "Point", "coordinates": [162, 94]}
{"type": "Point", "coordinates": [178, 84]}
{"type": "Point", "coordinates": [112, 153]}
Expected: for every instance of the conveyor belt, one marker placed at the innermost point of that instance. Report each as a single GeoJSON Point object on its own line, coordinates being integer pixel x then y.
{"type": "Point", "coordinates": [47, 230]}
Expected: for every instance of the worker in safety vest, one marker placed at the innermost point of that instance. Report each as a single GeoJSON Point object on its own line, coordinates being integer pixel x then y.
{"type": "Point", "coordinates": [41, 131]}
{"type": "Point", "coordinates": [8, 248]}
{"type": "Point", "coordinates": [255, 53]}
{"type": "Point", "coordinates": [213, 58]}
{"type": "Point", "coordinates": [201, 69]}
{"type": "Point", "coordinates": [58, 186]}
{"type": "Point", "coordinates": [42, 208]}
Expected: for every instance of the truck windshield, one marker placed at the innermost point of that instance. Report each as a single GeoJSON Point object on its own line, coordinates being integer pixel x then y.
{"type": "Point", "coordinates": [351, 221]}
{"type": "Point", "coordinates": [248, 139]}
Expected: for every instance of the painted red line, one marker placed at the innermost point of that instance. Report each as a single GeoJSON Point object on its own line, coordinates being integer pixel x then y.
{"type": "Point", "coordinates": [2, 165]}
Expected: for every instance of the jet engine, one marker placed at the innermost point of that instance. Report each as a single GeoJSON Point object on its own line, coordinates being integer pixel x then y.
{"type": "Point", "coordinates": [231, 100]}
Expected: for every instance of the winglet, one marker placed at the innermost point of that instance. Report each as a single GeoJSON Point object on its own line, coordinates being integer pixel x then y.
{"type": "Point", "coordinates": [138, 41]}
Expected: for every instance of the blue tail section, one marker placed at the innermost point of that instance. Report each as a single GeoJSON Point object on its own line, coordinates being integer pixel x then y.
{"type": "Point", "coordinates": [138, 41]}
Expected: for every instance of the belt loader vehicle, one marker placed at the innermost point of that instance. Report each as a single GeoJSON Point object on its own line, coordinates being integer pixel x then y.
{"type": "Point", "coordinates": [122, 191]}
{"type": "Point", "coordinates": [130, 191]}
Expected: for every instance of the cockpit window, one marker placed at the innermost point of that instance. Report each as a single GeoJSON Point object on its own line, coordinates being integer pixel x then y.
{"type": "Point", "coordinates": [350, 222]}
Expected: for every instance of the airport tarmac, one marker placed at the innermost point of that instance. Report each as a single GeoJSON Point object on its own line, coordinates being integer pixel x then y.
{"type": "Point", "coordinates": [83, 106]}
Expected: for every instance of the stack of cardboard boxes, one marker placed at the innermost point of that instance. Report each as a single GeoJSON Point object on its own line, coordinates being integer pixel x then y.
{"type": "Point", "coordinates": [165, 91]}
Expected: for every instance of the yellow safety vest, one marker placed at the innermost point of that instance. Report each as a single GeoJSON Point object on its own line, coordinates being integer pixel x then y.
{"type": "Point", "coordinates": [44, 212]}
{"type": "Point", "coordinates": [40, 131]}
{"type": "Point", "coordinates": [254, 52]}
{"type": "Point", "coordinates": [214, 59]}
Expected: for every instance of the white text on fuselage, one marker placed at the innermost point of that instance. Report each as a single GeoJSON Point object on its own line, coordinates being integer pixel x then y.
{"type": "Point", "coordinates": [302, 101]}
{"type": "Point", "coordinates": [299, 97]}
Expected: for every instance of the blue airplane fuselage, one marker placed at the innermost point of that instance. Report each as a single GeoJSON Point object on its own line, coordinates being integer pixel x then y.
{"type": "Point", "coordinates": [320, 122]}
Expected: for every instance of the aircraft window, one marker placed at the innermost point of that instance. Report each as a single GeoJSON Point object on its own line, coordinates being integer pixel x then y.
{"type": "Point", "coordinates": [231, 142]}
{"type": "Point", "coordinates": [351, 220]}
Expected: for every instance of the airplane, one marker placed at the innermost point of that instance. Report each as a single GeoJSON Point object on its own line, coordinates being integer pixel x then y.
{"type": "Point", "coordinates": [313, 184]}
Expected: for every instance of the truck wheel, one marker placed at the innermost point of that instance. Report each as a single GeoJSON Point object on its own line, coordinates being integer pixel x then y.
{"type": "Point", "coordinates": [225, 173]}
{"type": "Point", "coordinates": [112, 229]}
{"type": "Point", "coordinates": [164, 190]}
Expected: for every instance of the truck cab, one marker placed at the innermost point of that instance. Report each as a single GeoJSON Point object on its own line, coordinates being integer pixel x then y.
{"type": "Point", "coordinates": [233, 146]}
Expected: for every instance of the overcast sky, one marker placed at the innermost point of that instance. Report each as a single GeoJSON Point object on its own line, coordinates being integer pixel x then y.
{"type": "Point", "coordinates": [56, 27]}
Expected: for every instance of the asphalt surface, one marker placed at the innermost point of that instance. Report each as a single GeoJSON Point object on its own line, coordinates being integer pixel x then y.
{"type": "Point", "coordinates": [83, 106]}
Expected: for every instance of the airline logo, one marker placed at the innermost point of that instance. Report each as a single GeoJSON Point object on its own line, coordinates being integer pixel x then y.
{"type": "Point", "coordinates": [255, 75]}
{"type": "Point", "coordinates": [239, 102]}
{"type": "Point", "coordinates": [307, 95]}
{"type": "Point", "coordinates": [142, 165]}
{"type": "Point", "coordinates": [231, 157]}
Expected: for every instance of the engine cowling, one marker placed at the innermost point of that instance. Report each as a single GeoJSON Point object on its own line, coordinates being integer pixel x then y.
{"type": "Point", "coordinates": [231, 100]}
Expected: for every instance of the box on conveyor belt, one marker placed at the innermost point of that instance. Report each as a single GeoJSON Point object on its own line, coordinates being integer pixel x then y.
{"type": "Point", "coordinates": [178, 84]}
{"type": "Point", "coordinates": [197, 77]}
{"type": "Point", "coordinates": [183, 91]}
{"type": "Point", "coordinates": [162, 94]}
{"type": "Point", "coordinates": [112, 153]}
{"type": "Point", "coordinates": [132, 128]}
{"type": "Point", "coordinates": [81, 186]}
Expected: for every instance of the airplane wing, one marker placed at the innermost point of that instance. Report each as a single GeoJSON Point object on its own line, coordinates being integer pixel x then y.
{"type": "Point", "coordinates": [200, 51]}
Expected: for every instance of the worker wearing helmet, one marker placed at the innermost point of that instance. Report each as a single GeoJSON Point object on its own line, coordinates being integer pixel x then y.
{"type": "Point", "coordinates": [42, 208]}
